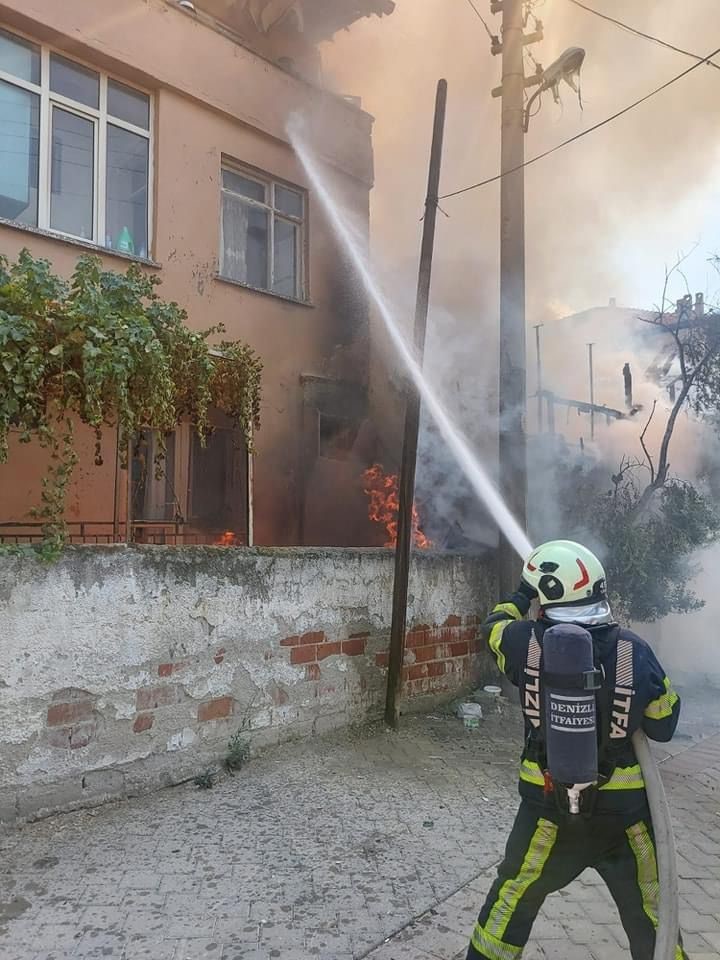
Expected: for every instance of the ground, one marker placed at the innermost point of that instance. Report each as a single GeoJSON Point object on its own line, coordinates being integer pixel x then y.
{"type": "Point", "coordinates": [361, 845]}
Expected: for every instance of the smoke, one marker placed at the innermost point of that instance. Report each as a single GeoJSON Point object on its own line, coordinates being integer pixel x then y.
{"type": "Point", "coordinates": [603, 216]}
{"type": "Point", "coordinates": [603, 213]}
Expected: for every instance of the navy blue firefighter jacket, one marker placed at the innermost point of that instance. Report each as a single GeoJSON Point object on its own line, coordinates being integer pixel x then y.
{"type": "Point", "coordinates": [636, 694]}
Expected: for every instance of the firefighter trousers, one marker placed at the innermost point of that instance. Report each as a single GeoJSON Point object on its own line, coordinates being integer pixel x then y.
{"type": "Point", "coordinates": [544, 855]}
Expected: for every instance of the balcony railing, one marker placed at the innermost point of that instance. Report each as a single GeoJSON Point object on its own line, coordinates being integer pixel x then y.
{"type": "Point", "coordinates": [160, 532]}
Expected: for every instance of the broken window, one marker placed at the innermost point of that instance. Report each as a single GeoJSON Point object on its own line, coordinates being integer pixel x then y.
{"type": "Point", "coordinates": [336, 436]}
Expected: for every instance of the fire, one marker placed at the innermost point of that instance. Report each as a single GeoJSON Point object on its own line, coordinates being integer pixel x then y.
{"type": "Point", "coordinates": [382, 489]}
{"type": "Point", "coordinates": [227, 539]}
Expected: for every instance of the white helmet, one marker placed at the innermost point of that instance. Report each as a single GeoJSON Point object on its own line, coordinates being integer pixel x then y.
{"type": "Point", "coordinates": [565, 574]}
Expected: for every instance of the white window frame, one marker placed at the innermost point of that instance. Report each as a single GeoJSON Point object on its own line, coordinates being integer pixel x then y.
{"type": "Point", "coordinates": [269, 183]}
{"type": "Point", "coordinates": [101, 119]}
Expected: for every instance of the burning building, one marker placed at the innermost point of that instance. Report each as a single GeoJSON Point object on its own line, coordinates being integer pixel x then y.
{"type": "Point", "coordinates": [155, 133]}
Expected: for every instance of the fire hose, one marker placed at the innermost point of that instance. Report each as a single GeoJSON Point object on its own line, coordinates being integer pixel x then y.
{"type": "Point", "coordinates": [668, 910]}
{"type": "Point", "coordinates": [571, 682]}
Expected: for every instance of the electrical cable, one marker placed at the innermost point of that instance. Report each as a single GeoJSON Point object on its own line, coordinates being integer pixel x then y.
{"type": "Point", "coordinates": [482, 20]}
{"type": "Point", "coordinates": [583, 133]}
{"type": "Point", "coordinates": [645, 36]}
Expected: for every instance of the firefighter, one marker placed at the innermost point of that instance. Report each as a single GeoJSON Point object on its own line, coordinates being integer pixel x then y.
{"type": "Point", "coordinates": [548, 847]}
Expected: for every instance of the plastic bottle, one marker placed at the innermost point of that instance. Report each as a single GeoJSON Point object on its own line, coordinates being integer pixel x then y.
{"type": "Point", "coordinates": [125, 242]}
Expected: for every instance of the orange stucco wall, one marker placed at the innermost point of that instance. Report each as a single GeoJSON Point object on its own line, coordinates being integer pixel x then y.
{"type": "Point", "coordinates": [214, 98]}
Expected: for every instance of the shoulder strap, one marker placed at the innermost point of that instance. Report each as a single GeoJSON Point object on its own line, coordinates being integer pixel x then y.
{"type": "Point", "coordinates": [532, 702]}
{"type": "Point", "coordinates": [616, 700]}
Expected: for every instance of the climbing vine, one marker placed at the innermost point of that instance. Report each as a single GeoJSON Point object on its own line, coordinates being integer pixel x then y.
{"type": "Point", "coordinates": [104, 349]}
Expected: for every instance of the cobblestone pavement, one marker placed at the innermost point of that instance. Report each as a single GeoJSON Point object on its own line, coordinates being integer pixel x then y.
{"type": "Point", "coordinates": [581, 922]}
{"type": "Point", "coordinates": [326, 850]}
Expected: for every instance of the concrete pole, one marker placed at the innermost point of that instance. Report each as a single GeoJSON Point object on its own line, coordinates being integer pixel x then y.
{"type": "Point", "coordinates": [592, 391]}
{"type": "Point", "coordinates": [538, 357]}
{"type": "Point", "coordinates": [512, 372]}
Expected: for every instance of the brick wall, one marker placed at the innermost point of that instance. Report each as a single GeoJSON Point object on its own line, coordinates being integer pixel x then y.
{"type": "Point", "coordinates": [124, 669]}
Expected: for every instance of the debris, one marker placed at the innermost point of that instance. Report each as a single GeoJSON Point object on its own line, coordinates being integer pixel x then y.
{"type": "Point", "coordinates": [428, 823]}
{"type": "Point", "coordinates": [470, 714]}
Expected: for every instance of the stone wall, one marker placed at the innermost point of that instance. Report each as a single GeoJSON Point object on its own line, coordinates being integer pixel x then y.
{"type": "Point", "coordinates": [123, 669]}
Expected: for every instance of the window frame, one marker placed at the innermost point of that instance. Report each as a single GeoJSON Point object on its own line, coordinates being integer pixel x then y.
{"type": "Point", "coordinates": [100, 118]}
{"type": "Point", "coordinates": [269, 183]}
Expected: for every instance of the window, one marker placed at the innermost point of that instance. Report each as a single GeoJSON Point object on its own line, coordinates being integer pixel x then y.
{"type": "Point", "coordinates": [153, 493]}
{"type": "Point", "coordinates": [336, 437]}
{"type": "Point", "coordinates": [217, 497]}
{"type": "Point", "coordinates": [262, 233]}
{"type": "Point", "coordinates": [74, 149]}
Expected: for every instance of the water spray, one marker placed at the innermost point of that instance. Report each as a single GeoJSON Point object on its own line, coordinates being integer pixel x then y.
{"type": "Point", "coordinates": [455, 439]}
{"type": "Point", "coordinates": [667, 929]}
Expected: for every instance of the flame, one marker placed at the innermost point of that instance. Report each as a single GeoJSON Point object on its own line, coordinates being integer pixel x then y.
{"type": "Point", "coordinates": [382, 489]}
{"type": "Point", "coordinates": [227, 539]}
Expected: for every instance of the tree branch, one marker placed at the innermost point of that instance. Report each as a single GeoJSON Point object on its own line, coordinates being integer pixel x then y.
{"type": "Point", "coordinates": [644, 447]}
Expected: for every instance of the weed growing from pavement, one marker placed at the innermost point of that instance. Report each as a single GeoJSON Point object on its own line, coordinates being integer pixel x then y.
{"type": "Point", "coordinates": [238, 753]}
{"type": "Point", "coordinates": [205, 781]}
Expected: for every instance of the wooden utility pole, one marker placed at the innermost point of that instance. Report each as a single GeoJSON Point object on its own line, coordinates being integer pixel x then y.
{"type": "Point", "coordinates": [412, 425]}
{"type": "Point", "coordinates": [512, 387]}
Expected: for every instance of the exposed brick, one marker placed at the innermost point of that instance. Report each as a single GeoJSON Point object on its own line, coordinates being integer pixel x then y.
{"type": "Point", "coordinates": [354, 647]}
{"type": "Point", "coordinates": [453, 621]}
{"type": "Point", "coordinates": [312, 671]}
{"type": "Point", "coordinates": [143, 722]}
{"type": "Point", "coordinates": [418, 636]}
{"type": "Point", "coordinates": [419, 670]}
{"type": "Point", "coordinates": [314, 636]}
{"type": "Point", "coordinates": [360, 636]}
{"type": "Point", "coordinates": [215, 709]}
{"type": "Point", "coordinates": [220, 655]}
{"type": "Point", "coordinates": [432, 652]}
{"type": "Point", "coordinates": [382, 659]}
{"type": "Point", "coordinates": [459, 649]}
{"type": "Point", "coordinates": [303, 654]}
{"type": "Point", "coordinates": [63, 714]}
{"type": "Point", "coordinates": [167, 669]}
{"type": "Point", "coordinates": [149, 698]}
{"type": "Point", "coordinates": [82, 733]}
{"type": "Point", "coordinates": [72, 737]}
{"type": "Point", "coordinates": [328, 650]}
{"type": "Point", "coordinates": [290, 641]}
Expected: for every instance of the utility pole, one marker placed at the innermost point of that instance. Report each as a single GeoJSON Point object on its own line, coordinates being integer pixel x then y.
{"type": "Point", "coordinates": [412, 425]}
{"type": "Point", "coordinates": [538, 358]}
{"type": "Point", "coordinates": [512, 388]}
{"type": "Point", "coordinates": [592, 391]}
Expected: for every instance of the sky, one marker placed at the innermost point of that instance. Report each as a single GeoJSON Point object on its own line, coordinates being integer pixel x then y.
{"type": "Point", "coordinates": [605, 214]}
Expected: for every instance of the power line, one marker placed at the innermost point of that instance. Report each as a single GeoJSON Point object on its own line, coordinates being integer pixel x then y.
{"type": "Point", "coordinates": [583, 133]}
{"type": "Point", "coordinates": [645, 36]}
{"type": "Point", "coordinates": [482, 20]}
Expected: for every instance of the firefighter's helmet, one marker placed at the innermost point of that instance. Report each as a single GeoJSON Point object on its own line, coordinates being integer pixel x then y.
{"type": "Point", "coordinates": [565, 574]}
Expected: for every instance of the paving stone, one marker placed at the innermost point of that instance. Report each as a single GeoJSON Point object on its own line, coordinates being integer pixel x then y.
{"type": "Point", "coordinates": [322, 851]}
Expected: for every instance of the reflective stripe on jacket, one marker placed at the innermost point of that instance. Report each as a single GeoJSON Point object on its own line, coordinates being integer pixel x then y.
{"type": "Point", "coordinates": [640, 697]}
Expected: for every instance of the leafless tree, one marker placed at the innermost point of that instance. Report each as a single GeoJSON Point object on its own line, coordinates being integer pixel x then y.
{"type": "Point", "coordinates": [694, 383]}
